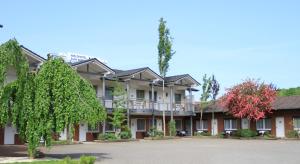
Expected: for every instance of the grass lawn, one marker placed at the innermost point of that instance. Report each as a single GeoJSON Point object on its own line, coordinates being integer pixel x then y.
{"type": "Point", "coordinates": [67, 160]}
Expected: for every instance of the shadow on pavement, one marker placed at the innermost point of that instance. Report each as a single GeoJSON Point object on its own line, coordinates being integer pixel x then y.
{"type": "Point", "coordinates": [13, 151]}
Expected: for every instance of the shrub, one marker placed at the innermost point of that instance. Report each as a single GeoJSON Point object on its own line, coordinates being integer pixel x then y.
{"type": "Point", "coordinates": [245, 133]}
{"type": "Point", "coordinates": [125, 135]}
{"type": "Point", "coordinates": [87, 159]}
{"type": "Point", "coordinates": [202, 134]}
{"type": "Point", "coordinates": [292, 134]}
{"type": "Point", "coordinates": [107, 136]}
{"type": "Point", "coordinates": [155, 133]}
{"type": "Point", "coordinates": [268, 135]}
{"type": "Point", "coordinates": [172, 128]}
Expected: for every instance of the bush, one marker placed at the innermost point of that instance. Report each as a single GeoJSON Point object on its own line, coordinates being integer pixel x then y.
{"type": "Point", "coordinates": [87, 159]}
{"type": "Point", "coordinates": [107, 136]}
{"type": "Point", "coordinates": [125, 135]}
{"type": "Point", "coordinates": [172, 128]}
{"type": "Point", "coordinates": [155, 133]}
{"type": "Point", "coordinates": [245, 133]}
{"type": "Point", "coordinates": [202, 134]}
{"type": "Point", "coordinates": [292, 134]}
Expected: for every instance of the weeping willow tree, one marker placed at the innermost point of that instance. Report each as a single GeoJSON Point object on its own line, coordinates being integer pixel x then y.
{"type": "Point", "coordinates": [12, 93]}
{"type": "Point", "coordinates": [45, 103]}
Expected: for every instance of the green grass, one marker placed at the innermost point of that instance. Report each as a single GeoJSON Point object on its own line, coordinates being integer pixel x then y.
{"type": "Point", "coordinates": [83, 160]}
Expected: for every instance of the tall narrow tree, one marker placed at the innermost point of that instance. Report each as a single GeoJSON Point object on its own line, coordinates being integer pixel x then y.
{"type": "Point", "coordinates": [215, 87]}
{"type": "Point", "coordinates": [206, 91]}
{"type": "Point", "coordinates": [165, 53]}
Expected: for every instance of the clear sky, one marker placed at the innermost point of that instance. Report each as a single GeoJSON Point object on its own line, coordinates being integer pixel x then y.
{"type": "Point", "coordinates": [234, 40]}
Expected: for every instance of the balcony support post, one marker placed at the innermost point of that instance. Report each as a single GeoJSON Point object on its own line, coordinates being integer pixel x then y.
{"type": "Point", "coordinates": [191, 120]}
{"type": "Point", "coordinates": [103, 102]}
{"type": "Point", "coordinates": [171, 102]}
{"type": "Point", "coordinates": [152, 103]}
{"type": "Point", "coordinates": [128, 96]}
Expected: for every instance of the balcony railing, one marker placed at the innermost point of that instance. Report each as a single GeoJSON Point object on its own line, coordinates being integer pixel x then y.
{"type": "Point", "coordinates": [149, 105]}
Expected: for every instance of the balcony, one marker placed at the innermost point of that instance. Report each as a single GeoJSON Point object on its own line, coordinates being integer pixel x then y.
{"type": "Point", "coordinates": [146, 107]}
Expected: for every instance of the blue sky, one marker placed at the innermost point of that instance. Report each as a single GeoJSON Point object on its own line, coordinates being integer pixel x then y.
{"type": "Point", "coordinates": [234, 40]}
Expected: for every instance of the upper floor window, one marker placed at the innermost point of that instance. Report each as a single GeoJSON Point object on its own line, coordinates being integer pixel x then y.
{"type": "Point", "coordinates": [296, 123]}
{"type": "Point", "coordinates": [264, 124]}
{"type": "Point", "coordinates": [178, 98]}
{"type": "Point", "coordinates": [155, 96]}
{"type": "Point", "coordinates": [202, 125]}
{"type": "Point", "coordinates": [109, 93]}
{"type": "Point", "coordinates": [140, 94]}
{"type": "Point", "coordinates": [230, 124]}
{"type": "Point", "coordinates": [96, 89]}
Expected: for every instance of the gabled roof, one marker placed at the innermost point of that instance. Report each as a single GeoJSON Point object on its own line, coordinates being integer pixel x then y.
{"type": "Point", "coordinates": [33, 54]}
{"type": "Point", "coordinates": [131, 72]}
{"type": "Point", "coordinates": [280, 103]}
{"type": "Point", "coordinates": [93, 60]}
{"type": "Point", "coordinates": [176, 78]}
{"type": "Point", "coordinates": [288, 102]}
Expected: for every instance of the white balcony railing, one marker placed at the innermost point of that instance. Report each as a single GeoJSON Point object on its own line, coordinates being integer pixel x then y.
{"type": "Point", "coordinates": [147, 104]}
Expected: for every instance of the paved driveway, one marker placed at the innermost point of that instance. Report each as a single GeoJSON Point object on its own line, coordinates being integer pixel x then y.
{"type": "Point", "coordinates": [188, 150]}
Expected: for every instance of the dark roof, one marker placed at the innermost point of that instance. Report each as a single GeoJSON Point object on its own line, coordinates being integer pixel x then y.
{"type": "Point", "coordinates": [92, 60]}
{"type": "Point", "coordinates": [280, 103]}
{"type": "Point", "coordinates": [171, 79]}
{"type": "Point", "coordinates": [123, 73]}
{"type": "Point", "coordinates": [33, 53]}
{"type": "Point", "coordinates": [288, 102]}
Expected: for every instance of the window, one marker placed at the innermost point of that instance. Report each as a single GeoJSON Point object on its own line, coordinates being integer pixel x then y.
{"type": "Point", "coordinates": [140, 94]}
{"type": "Point", "coordinates": [95, 129]}
{"type": "Point", "coordinates": [96, 89]}
{"type": "Point", "coordinates": [264, 124]}
{"type": "Point", "coordinates": [109, 93]}
{"type": "Point", "coordinates": [150, 122]}
{"type": "Point", "coordinates": [178, 98]}
{"type": "Point", "coordinates": [141, 124]}
{"type": "Point", "coordinates": [230, 124]}
{"type": "Point", "coordinates": [155, 96]}
{"type": "Point", "coordinates": [202, 125]}
{"type": "Point", "coordinates": [109, 127]}
{"type": "Point", "coordinates": [296, 123]}
{"type": "Point", "coordinates": [178, 124]}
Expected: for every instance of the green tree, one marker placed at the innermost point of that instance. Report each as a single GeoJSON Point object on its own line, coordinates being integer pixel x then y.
{"type": "Point", "coordinates": [206, 91]}
{"type": "Point", "coordinates": [118, 116]}
{"type": "Point", "coordinates": [215, 87]}
{"type": "Point", "coordinates": [165, 53]}
{"type": "Point", "coordinates": [47, 102]}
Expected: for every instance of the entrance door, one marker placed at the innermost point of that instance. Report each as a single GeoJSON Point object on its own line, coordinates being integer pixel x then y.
{"type": "Point", "coordinates": [245, 123]}
{"type": "Point", "coordinates": [214, 127]}
{"type": "Point", "coordinates": [159, 124]}
{"type": "Point", "coordinates": [82, 131]}
{"type": "Point", "coordinates": [280, 127]}
{"type": "Point", "coordinates": [133, 128]}
{"type": "Point", "coordinates": [188, 127]}
{"type": "Point", "coordinates": [9, 134]}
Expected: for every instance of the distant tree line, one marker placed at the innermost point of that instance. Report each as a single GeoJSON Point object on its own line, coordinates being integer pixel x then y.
{"type": "Point", "coordinates": [289, 92]}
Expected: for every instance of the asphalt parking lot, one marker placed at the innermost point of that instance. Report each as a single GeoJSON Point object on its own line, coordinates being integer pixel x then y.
{"type": "Point", "coordinates": [187, 150]}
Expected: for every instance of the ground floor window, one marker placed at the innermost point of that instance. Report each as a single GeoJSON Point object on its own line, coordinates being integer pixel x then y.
{"type": "Point", "coordinates": [150, 122]}
{"type": "Point", "coordinates": [296, 123]}
{"type": "Point", "coordinates": [109, 127]}
{"type": "Point", "coordinates": [230, 124]}
{"type": "Point", "coordinates": [264, 124]}
{"type": "Point", "coordinates": [178, 124]}
{"type": "Point", "coordinates": [202, 125]}
{"type": "Point", "coordinates": [93, 129]}
{"type": "Point", "coordinates": [141, 124]}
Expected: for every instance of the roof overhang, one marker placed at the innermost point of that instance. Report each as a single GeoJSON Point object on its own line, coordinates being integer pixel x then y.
{"type": "Point", "coordinates": [102, 68]}
{"type": "Point", "coordinates": [32, 55]}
